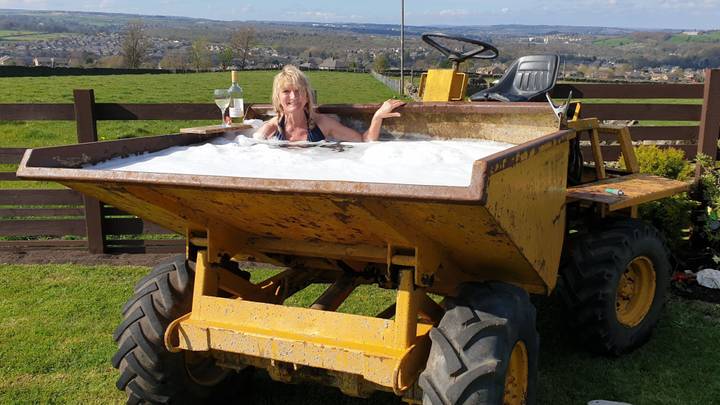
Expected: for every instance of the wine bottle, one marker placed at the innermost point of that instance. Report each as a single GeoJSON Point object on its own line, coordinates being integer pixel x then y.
{"type": "Point", "coordinates": [237, 106]}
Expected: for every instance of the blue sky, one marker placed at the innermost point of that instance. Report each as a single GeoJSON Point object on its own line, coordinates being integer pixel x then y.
{"type": "Point", "coordinates": [689, 14]}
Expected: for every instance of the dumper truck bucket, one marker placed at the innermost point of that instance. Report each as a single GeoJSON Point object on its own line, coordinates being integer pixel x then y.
{"type": "Point", "coordinates": [507, 224]}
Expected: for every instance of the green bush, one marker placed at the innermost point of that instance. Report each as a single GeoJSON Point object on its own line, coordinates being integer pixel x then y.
{"type": "Point", "coordinates": [668, 162]}
{"type": "Point", "coordinates": [672, 215]}
{"type": "Point", "coordinates": [710, 197]}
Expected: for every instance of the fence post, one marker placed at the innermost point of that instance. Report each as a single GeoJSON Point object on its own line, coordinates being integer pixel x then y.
{"type": "Point", "coordinates": [87, 132]}
{"type": "Point", "coordinates": [710, 116]}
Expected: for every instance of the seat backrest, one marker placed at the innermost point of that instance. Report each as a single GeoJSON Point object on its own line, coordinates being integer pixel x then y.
{"type": "Point", "coordinates": [528, 77]}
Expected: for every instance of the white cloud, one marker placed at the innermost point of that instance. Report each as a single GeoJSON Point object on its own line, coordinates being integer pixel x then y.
{"type": "Point", "coordinates": [454, 13]}
{"type": "Point", "coordinates": [105, 4]}
{"type": "Point", "coordinates": [504, 10]}
{"type": "Point", "coordinates": [649, 5]}
{"type": "Point", "coordinates": [689, 5]}
{"type": "Point", "coordinates": [34, 4]}
{"type": "Point", "coordinates": [327, 16]}
{"type": "Point", "coordinates": [314, 15]}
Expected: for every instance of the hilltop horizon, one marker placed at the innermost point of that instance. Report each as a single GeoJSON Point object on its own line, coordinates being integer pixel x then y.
{"type": "Point", "coordinates": [454, 18]}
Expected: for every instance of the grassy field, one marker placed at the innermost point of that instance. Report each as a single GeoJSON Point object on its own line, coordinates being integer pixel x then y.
{"type": "Point", "coordinates": [713, 36]}
{"type": "Point", "coordinates": [56, 345]}
{"type": "Point", "coordinates": [612, 42]}
{"type": "Point", "coordinates": [6, 35]}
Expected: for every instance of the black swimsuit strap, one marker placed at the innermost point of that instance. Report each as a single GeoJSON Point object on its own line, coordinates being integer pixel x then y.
{"type": "Point", "coordinates": [313, 135]}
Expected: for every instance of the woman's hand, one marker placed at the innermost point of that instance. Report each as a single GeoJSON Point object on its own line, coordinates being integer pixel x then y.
{"type": "Point", "coordinates": [340, 132]}
{"type": "Point", "coordinates": [386, 109]}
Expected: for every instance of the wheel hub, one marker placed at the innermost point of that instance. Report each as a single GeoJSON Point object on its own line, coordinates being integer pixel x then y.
{"type": "Point", "coordinates": [635, 292]}
{"type": "Point", "coordinates": [201, 368]}
{"type": "Point", "coordinates": [516, 379]}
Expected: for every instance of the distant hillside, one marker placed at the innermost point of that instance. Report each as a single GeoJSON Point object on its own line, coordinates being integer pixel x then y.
{"type": "Point", "coordinates": [81, 21]}
{"type": "Point", "coordinates": [359, 44]}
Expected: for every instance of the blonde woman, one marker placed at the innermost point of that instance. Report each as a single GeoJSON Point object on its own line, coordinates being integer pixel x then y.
{"type": "Point", "coordinates": [296, 119]}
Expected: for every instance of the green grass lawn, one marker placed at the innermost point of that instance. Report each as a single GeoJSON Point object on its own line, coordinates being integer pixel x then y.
{"type": "Point", "coordinates": [56, 345]}
{"type": "Point", "coordinates": [332, 87]}
{"type": "Point", "coordinates": [713, 36]}
{"type": "Point", "coordinates": [612, 42]}
{"type": "Point", "coordinates": [9, 35]}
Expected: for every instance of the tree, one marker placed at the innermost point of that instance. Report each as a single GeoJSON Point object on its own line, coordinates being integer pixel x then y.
{"type": "Point", "coordinates": [199, 54]}
{"type": "Point", "coordinates": [241, 42]}
{"type": "Point", "coordinates": [77, 59]}
{"type": "Point", "coordinates": [135, 44]}
{"type": "Point", "coordinates": [175, 59]}
{"type": "Point", "coordinates": [115, 61]}
{"type": "Point", "coordinates": [225, 57]}
{"type": "Point", "coordinates": [380, 64]}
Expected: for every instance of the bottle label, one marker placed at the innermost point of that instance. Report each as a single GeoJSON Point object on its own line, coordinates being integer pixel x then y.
{"type": "Point", "coordinates": [238, 108]}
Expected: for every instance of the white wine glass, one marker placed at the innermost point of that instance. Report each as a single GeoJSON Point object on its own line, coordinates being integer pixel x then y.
{"type": "Point", "coordinates": [222, 100]}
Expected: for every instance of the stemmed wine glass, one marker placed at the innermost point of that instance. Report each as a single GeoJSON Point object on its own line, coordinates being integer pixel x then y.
{"type": "Point", "coordinates": [222, 100]}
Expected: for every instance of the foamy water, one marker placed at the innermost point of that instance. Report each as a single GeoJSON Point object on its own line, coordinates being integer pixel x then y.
{"type": "Point", "coordinates": [444, 163]}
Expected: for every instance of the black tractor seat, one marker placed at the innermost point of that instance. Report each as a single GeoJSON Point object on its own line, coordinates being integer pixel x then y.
{"type": "Point", "coordinates": [528, 78]}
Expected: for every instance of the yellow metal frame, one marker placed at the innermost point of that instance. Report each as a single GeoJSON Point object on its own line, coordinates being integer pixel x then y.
{"type": "Point", "coordinates": [594, 128]}
{"type": "Point", "coordinates": [254, 328]}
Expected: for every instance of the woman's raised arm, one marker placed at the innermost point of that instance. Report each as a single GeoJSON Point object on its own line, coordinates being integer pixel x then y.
{"type": "Point", "coordinates": [340, 132]}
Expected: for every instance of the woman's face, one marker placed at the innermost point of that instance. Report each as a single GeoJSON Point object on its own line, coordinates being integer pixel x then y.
{"type": "Point", "coordinates": [292, 99]}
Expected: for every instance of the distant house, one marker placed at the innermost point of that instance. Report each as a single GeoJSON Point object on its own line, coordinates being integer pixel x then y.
{"type": "Point", "coordinates": [538, 40]}
{"type": "Point", "coordinates": [659, 77]}
{"type": "Point", "coordinates": [574, 74]}
{"type": "Point", "coordinates": [15, 61]}
{"type": "Point", "coordinates": [606, 74]}
{"type": "Point", "coordinates": [50, 61]}
{"type": "Point", "coordinates": [307, 66]}
{"type": "Point", "coordinates": [332, 64]}
{"type": "Point", "coordinates": [635, 75]}
{"type": "Point", "coordinates": [494, 70]}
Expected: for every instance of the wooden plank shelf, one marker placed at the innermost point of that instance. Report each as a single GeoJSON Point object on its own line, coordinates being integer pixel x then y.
{"type": "Point", "coordinates": [214, 129]}
{"type": "Point", "coordinates": [636, 189]}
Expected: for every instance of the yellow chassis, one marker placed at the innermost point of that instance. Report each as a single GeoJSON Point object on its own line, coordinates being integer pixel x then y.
{"type": "Point", "coordinates": [358, 354]}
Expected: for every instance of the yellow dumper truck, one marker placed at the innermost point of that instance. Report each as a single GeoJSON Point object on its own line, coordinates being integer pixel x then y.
{"type": "Point", "coordinates": [460, 259]}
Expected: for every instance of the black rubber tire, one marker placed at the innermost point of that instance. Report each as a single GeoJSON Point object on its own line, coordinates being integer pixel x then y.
{"type": "Point", "coordinates": [471, 347]}
{"type": "Point", "coordinates": [589, 280]}
{"type": "Point", "coordinates": [149, 373]}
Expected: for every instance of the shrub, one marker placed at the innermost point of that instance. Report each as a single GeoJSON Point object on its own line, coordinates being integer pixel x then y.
{"type": "Point", "coordinates": [669, 162]}
{"type": "Point", "coordinates": [710, 197]}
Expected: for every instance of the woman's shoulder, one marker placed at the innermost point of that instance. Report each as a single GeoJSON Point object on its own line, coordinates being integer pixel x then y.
{"type": "Point", "coordinates": [271, 123]}
{"type": "Point", "coordinates": [268, 128]}
{"type": "Point", "coordinates": [325, 119]}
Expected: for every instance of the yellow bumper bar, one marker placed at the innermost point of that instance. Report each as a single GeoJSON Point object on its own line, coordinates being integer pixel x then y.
{"type": "Point", "coordinates": [387, 353]}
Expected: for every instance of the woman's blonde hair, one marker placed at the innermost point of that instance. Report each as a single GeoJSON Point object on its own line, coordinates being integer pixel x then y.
{"type": "Point", "coordinates": [292, 76]}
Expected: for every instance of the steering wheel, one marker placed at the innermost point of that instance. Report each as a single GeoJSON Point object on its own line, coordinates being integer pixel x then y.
{"type": "Point", "coordinates": [483, 51]}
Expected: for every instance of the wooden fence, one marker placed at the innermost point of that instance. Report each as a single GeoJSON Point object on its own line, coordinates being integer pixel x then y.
{"type": "Point", "coordinates": [701, 136]}
{"type": "Point", "coordinates": [46, 216]}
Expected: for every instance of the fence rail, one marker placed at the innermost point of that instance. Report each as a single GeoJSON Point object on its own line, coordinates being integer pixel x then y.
{"type": "Point", "coordinates": [658, 115]}
{"type": "Point", "coordinates": [33, 216]}
{"type": "Point", "coordinates": [392, 83]}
